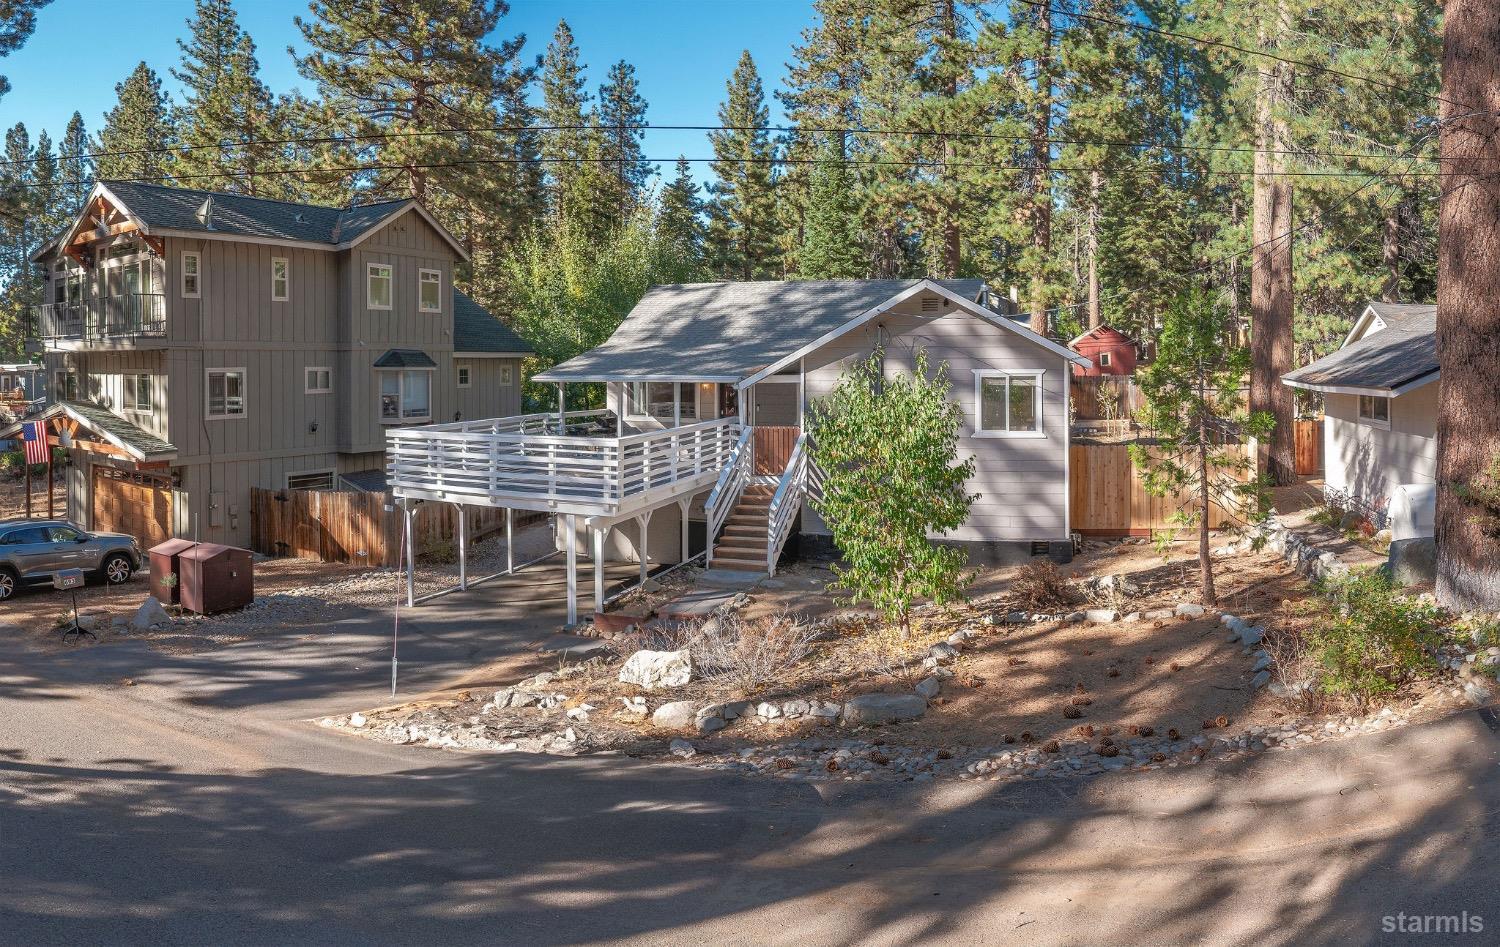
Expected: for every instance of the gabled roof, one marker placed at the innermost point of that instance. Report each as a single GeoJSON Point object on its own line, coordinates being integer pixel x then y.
{"type": "Point", "coordinates": [138, 442]}
{"type": "Point", "coordinates": [176, 211]}
{"type": "Point", "coordinates": [729, 331]}
{"type": "Point", "coordinates": [476, 331]}
{"type": "Point", "coordinates": [1105, 333]}
{"type": "Point", "coordinates": [1387, 361]}
{"type": "Point", "coordinates": [405, 358]}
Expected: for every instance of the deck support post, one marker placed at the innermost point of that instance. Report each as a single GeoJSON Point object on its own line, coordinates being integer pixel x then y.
{"type": "Point", "coordinates": [598, 552]}
{"type": "Point", "coordinates": [409, 542]}
{"type": "Point", "coordinates": [644, 522]}
{"type": "Point", "coordinates": [683, 505]}
{"type": "Point", "coordinates": [572, 546]}
{"type": "Point", "coordinates": [510, 546]}
{"type": "Point", "coordinates": [463, 547]}
{"type": "Point", "coordinates": [562, 393]}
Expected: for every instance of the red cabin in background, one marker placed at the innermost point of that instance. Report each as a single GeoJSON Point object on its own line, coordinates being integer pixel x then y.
{"type": "Point", "coordinates": [1113, 353]}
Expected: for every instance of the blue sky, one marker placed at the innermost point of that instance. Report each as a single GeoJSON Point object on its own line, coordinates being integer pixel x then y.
{"type": "Point", "coordinates": [683, 51]}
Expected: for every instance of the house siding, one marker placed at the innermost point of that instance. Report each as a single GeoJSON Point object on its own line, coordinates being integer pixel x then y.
{"type": "Point", "coordinates": [1370, 462]}
{"type": "Point", "coordinates": [1022, 483]}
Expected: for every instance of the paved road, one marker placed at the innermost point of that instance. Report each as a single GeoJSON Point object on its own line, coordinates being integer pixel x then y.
{"type": "Point", "coordinates": [196, 807]}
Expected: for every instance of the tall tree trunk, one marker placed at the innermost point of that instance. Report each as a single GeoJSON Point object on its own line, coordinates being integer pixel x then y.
{"type": "Point", "coordinates": [1041, 196]}
{"type": "Point", "coordinates": [1271, 263]}
{"type": "Point", "coordinates": [952, 249]}
{"type": "Point", "coordinates": [1205, 561]}
{"type": "Point", "coordinates": [1468, 320]}
{"type": "Point", "coordinates": [1095, 183]}
{"type": "Point", "coordinates": [1390, 255]}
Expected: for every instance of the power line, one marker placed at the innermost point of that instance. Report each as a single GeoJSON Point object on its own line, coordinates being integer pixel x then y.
{"type": "Point", "coordinates": [232, 144]}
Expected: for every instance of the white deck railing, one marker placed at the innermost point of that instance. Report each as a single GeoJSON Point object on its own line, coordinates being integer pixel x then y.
{"type": "Point", "coordinates": [727, 489]}
{"type": "Point", "coordinates": [508, 462]}
{"type": "Point", "coordinates": [786, 502]}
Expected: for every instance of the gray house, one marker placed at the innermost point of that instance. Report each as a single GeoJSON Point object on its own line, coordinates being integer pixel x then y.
{"type": "Point", "coordinates": [702, 442]}
{"type": "Point", "coordinates": [199, 344]}
{"type": "Point", "coordinates": [1380, 405]}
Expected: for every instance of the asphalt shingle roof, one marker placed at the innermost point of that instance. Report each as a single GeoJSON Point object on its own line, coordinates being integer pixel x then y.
{"type": "Point", "coordinates": [475, 330]}
{"type": "Point", "coordinates": [405, 358]}
{"type": "Point", "coordinates": [176, 208]}
{"type": "Point", "coordinates": [1404, 351]}
{"type": "Point", "coordinates": [729, 330]}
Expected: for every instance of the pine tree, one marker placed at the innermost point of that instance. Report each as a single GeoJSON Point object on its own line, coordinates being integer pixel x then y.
{"type": "Point", "coordinates": [622, 120]}
{"type": "Point", "coordinates": [679, 221]}
{"type": "Point", "coordinates": [137, 131]}
{"type": "Point", "coordinates": [742, 224]}
{"type": "Point", "coordinates": [76, 167]}
{"type": "Point", "coordinates": [228, 120]}
{"type": "Point", "coordinates": [17, 21]}
{"type": "Point", "coordinates": [830, 240]}
{"type": "Point", "coordinates": [565, 115]}
{"type": "Point", "coordinates": [20, 285]}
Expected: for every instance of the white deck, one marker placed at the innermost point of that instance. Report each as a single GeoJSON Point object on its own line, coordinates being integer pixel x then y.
{"type": "Point", "coordinates": [527, 462]}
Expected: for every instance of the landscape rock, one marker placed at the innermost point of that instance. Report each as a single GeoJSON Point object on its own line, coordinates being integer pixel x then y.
{"type": "Point", "coordinates": [767, 710]}
{"type": "Point", "coordinates": [928, 688]}
{"type": "Point", "coordinates": [678, 715]}
{"type": "Point", "coordinates": [1101, 616]}
{"type": "Point", "coordinates": [651, 670]}
{"type": "Point", "coordinates": [1261, 679]}
{"type": "Point", "coordinates": [1157, 614]}
{"type": "Point", "coordinates": [682, 748]}
{"type": "Point", "coordinates": [357, 720]}
{"type": "Point", "coordinates": [1262, 661]}
{"type": "Point", "coordinates": [633, 705]}
{"type": "Point", "coordinates": [883, 708]}
{"type": "Point", "coordinates": [1190, 610]}
{"type": "Point", "coordinates": [707, 725]}
{"type": "Point", "coordinates": [943, 652]}
{"type": "Point", "coordinates": [150, 613]}
{"type": "Point", "coordinates": [796, 708]}
{"type": "Point", "coordinates": [1413, 561]}
{"type": "Point", "coordinates": [1252, 635]}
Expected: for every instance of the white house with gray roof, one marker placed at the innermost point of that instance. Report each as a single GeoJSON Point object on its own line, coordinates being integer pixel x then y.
{"type": "Point", "coordinates": [1380, 405]}
{"type": "Point", "coordinates": [199, 344]}
{"type": "Point", "coordinates": [701, 446]}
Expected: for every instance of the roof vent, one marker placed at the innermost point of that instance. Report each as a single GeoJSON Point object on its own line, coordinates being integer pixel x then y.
{"type": "Point", "coordinates": [298, 217]}
{"type": "Point", "coordinates": [931, 304]}
{"type": "Point", "coordinates": [205, 213]}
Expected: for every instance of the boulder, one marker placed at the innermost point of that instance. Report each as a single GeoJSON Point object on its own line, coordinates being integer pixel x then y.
{"type": "Point", "coordinates": [1413, 561]}
{"type": "Point", "coordinates": [883, 708]}
{"type": "Point", "coordinates": [678, 715]}
{"type": "Point", "coordinates": [943, 652]}
{"type": "Point", "coordinates": [1102, 616]}
{"type": "Point", "coordinates": [150, 613]}
{"type": "Point", "coordinates": [707, 725]}
{"type": "Point", "coordinates": [1190, 610]}
{"type": "Point", "coordinates": [682, 748]}
{"type": "Point", "coordinates": [1261, 679]}
{"type": "Point", "coordinates": [767, 710]}
{"type": "Point", "coordinates": [929, 687]}
{"type": "Point", "coordinates": [655, 669]}
{"type": "Point", "coordinates": [796, 708]}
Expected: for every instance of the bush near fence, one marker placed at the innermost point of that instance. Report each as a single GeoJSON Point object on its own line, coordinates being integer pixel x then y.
{"type": "Point", "coordinates": [356, 527]}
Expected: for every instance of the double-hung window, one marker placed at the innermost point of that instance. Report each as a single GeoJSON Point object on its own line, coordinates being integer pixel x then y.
{"type": "Point", "coordinates": [191, 285]}
{"type": "Point", "coordinates": [1375, 410]}
{"type": "Point", "coordinates": [405, 396]}
{"type": "Point", "coordinates": [226, 393]}
{"type": "Point", "coordinates": [430, 290]}
{"type": "Point", "coordinates": [1008, 403]}
{"type": "Point", "coordinates": [378, 279]}
{"type": "Point", "coordinates": [138, 389]}
{"type": "Point", "coordinates": [281, 280]}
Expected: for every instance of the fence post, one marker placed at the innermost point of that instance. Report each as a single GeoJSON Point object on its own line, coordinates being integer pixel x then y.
{"type": "Point", "coordinates": [463, 547]}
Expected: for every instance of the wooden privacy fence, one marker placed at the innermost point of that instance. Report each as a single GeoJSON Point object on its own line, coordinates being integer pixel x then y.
{"type": "Point", "coordinates": [1105, 398]}
{"type": "Point", "coordinates": [355, 527]}
{"type": "Point", "coordinates": [1308, 446]}
{"type": "Point", "coordinates": [1108, 498]}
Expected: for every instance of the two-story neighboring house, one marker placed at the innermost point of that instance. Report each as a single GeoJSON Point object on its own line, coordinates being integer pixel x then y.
{"type": "Point", "coordinates": [199, 344]}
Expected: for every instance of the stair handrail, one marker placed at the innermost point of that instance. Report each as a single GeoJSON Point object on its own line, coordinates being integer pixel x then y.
{"type": "Point", "coordinates": [786, 502]}
{"type": "Point", "coordinates": [727, 489]}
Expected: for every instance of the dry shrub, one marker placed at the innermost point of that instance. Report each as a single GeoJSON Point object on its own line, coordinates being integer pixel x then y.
{"type": "Point", "coordinates": [1041, 585]}
{"type": "Point", "coordinates": [749, 653]}
{"type": "Point", "coordinates": [885, 650]}
{"type": "Point", "coordinates": [439, 551]}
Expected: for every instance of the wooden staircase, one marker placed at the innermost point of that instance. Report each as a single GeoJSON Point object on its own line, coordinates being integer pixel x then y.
{"type": "Point", "coordinates": [741, 546]}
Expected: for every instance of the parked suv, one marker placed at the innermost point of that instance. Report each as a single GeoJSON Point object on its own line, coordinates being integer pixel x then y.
{"type": "Point", "coordinates": [32, 550]}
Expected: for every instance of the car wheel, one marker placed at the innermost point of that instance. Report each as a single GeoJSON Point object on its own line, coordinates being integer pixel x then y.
{"type": "Point", "coordinates": [7, 584]}
{"type": "Point", "coordinates": [117, 569]}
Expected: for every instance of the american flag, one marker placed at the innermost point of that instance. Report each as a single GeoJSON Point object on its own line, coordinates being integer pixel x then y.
{"type": "Point", "coordinates": [34, 433]}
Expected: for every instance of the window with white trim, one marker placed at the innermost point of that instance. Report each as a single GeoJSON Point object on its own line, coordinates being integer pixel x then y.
{"type": "Point", "coordinates": [138, 391]}
{"type": "Point", "coordinates": [463, 375]}
{"type": "Point", "coordinates": [225, 393]}
{"type": "Point", "coordinates": [1008, 403]}
{"type": "Point", "coordinates": [653, 399]}
{"type": "Point", "coordinates": [311, 480]}
{"type": "Point", "coordinates": [1375, 410]}
{"type": "Point", "coordinates": [378, 280]}
{"type": "Point", "coordinates": [1103, 359]}
{"type": "Point", "coordinates": [191, 276]}
{"type": "Point", "coordinates": [405, 396]}
{"type": "Point", "coordinates": [430, 290]}
{"type": "Point", "coordinates": [281, 279]}
{"type": "Point", "coordinates": [505, 375]}
{"type": "Point", "coordinates": [317, 379]}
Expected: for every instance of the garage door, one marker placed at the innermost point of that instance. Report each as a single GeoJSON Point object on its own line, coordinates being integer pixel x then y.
{"type": "Point", "coordinates": [132, 502]}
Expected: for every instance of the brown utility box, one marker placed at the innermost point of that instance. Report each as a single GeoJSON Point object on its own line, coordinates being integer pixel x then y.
{"type": "Point", "coordinates": [215, 578]}
{"type": "Point", "coordinates": [163, 560]}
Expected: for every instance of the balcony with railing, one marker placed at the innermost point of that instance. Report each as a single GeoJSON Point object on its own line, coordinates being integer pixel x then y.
{"type": "Point", "coordinates": [557, 463]}
{"type": "Point", "coordinates": [122, 318]}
